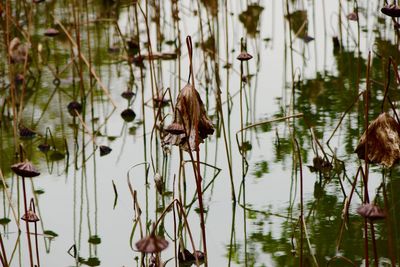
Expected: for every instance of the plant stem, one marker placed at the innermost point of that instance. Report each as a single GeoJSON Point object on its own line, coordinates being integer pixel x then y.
{"type": "Point", "coordinates": [27, 223]}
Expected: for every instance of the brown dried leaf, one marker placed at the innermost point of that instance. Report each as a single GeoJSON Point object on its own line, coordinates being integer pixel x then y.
{"type": "Point", "coordinates": [191, 116]}
{"type": "Point", "coordinates": [383, 141]}
{"type": "Point", "coordinates": [18, 52]}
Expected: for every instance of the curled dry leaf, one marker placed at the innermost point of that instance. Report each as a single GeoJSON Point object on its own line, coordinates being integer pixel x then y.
{"type": "Point", "coordinates": [191, 124]}
{"type": "Point", "coordinates": [18, 52]}
{"type": "Point", "coordinates": [383, 141]}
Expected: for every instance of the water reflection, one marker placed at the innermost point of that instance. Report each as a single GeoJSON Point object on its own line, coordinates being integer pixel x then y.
{"type": "Point", "coordinates": [125, 62]}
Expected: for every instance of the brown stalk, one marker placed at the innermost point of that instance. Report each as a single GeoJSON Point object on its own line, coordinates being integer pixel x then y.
{"type": "Point", "coordinates": [26, 211]}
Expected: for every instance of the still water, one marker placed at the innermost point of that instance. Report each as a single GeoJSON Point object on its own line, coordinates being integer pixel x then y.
{"type": "Point", "coordinates": [309, 60]}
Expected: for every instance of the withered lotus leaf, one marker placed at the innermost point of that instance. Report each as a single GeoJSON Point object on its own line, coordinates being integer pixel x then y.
{"type": "Point", "coordinates": [383, 141]}
{"type": "Point", "coordinates": [191, 124]}
{"type": "Point", "coordinates": [18, 51]}
{"type": "Point", "coordinates": [25, 169]}
{"type": "Point", "coordinates": [185, 256]}
{"type": "Point", "coordinates": [152, 244]}
{"type": "Point", "coordinates": [371, 212]}
{"type": "Point", "coordinates": [175, 128]}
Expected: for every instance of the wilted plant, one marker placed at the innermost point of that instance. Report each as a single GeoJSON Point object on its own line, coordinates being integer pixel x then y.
{"type": "Point", "coordinates": [31, 217]}
{"type": "Point", "coordinates": [383, 141]}
{"type": "Point", "coordinates": [191, 124]}
{"type": "Point", "coordinates": [26, 169]}
{"type": "Point", "coordinates": [190, 127]}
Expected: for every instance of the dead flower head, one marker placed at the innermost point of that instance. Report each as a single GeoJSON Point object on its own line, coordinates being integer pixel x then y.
{"type": "Point", "coordinates": [391, 10]}
{"type": "Point", "coordinates": [25, 169]}
{"type": "Point", "coordinates": [371, 212]}
{"type": "Point", "coordinates": [191, 124]}
{"type": "Point", "coordinates": [383, 141]}
{"type": "Point", "coordinates": [30, 216]}
{"type": "Point", "coordinates": [152, 244]}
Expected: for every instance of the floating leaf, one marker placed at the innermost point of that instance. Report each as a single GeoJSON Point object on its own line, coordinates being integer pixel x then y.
{"type": "Point", "coordinates": [4, 221]}
{"type": "Point", "coordinates": [94, 239]}
{"type": "Point", "coordinates": [128, 115]}
{"type": "Point", "coordinates": [50, 233]}
{"type": "Point", "coordinates": [104, 150]}
{"type": "Point", "coordinates": [92, 262]}
{"type": "Point", "coordinates": [39, 191]}
{"type": "Point", "coordinates": [56, 155]}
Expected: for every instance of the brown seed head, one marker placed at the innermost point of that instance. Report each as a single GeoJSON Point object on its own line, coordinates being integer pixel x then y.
{"type": "Point", "coordinates": [352, 16]}
{"type": "Point", "coordinates": [25, 169]}
{"type": "Point", "coordinates": [391, 10]}
{"type": "Point", "coordinates": [244, 56]}
{"type": "Point", "coordinates": [30, 216]}
{"type": "Point", "coordinates": [152, 244]}
{"type": "Point", "coordinates": [371, 212]}
{"type": "Point", "coordinates": [51, 32]}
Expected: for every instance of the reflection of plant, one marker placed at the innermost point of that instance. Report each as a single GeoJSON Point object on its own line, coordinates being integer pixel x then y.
{"type": "Point", "coordinates": [251, 18]}
{"type": "Point", "coordinates": [212, 6]}
{"type": "Point", "coordinates": [261, 168]}
{"type": "Point", "coordinates": [299, 23]}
